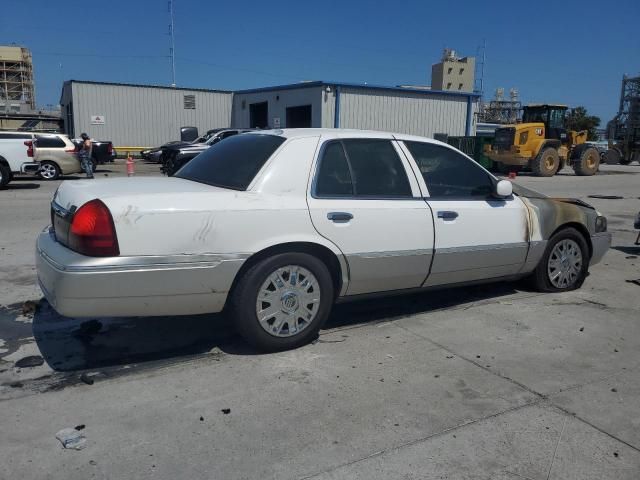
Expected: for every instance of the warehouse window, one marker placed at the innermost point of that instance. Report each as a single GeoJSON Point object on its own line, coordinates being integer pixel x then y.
{"type": "Point", "coordinates": [448, 85]}
{"type": "Point", "coordinates": [449, 69]}
{"type": "Point", "coordinates": [461, 70]}
{"type": "Point", "coordinates": [459, 86]}
{"type": "Point", "coordinates": [189, 102]}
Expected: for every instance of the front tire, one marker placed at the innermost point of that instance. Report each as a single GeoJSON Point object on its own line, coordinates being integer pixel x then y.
{"type": "Point", "coordinates": [49, 170]}
{"type": "Point", "coordinates": [565, 263]}
{"type": "Point", "coordinates": [546, 163]}
{"type": "Point", "coordinates": [281, 302]}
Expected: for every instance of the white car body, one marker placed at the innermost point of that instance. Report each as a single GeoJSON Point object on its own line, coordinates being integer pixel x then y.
{"type": "Point", "coordinates": [183, 243]}
{"type": "Point", "coordinates": [13, 153]}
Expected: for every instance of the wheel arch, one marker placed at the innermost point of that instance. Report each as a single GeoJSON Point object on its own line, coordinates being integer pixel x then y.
{"type": "Point", "coordinates": [578, 149]}
{"type": "Point", "coordinates": [4, 162]}
{"type": "Point", "coordinates": [337, 266]}
{"type": "Point", "coordinates": [555, 144]}
{"type": "Point", "coordinates": [581, 229]}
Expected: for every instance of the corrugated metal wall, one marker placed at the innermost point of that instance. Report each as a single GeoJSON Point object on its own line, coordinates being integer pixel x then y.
{"type": "Point", "coordinates": [145, 116]}
{"type": "Point", "coordinates": [294, 97]}
{"type": "Point", "coordinates": [410, 113]}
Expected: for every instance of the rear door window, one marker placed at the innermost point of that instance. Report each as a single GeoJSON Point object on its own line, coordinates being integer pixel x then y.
{"type": "Point", "coordinates": [362, 168]}
{"type": "Point", "coordinates": [334, 176]}
{"type": "Point", "coordinates": [233, 163]}
{"type": "Point", "coordinates": [377, 169]}
{"type": "Point", "coordinates": [50, 142]}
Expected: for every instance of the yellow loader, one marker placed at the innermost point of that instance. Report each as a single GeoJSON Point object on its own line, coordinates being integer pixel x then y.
{"type": "Point", "coordinates": [543, 144]}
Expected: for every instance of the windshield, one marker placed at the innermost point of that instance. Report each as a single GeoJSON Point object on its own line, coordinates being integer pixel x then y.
{"type": "Point", "coordinates": [233, 162]}
{"type": "Point", "coordinates": [535, 115]}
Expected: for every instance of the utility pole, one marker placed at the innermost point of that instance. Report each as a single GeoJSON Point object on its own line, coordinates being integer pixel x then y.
{"type": "Point", "coordinates": [172, 49]}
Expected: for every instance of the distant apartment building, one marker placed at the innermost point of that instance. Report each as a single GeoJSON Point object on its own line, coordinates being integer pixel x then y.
{"type": "Point", "coordinates": [453, 73]}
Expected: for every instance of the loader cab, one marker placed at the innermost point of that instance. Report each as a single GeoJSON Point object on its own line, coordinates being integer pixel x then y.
{"type": "Point", "coordinates": [553, 117]}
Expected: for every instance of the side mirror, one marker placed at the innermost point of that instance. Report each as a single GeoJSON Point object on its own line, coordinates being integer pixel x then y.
{"type": "Point", "coordinates": [504, 189]}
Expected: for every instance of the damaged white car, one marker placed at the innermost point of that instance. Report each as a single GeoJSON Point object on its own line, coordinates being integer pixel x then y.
{"type": "Point", "coordinates": [276, 226]}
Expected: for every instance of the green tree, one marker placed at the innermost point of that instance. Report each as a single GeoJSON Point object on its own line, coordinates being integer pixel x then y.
{"type": "Point", "coordinates": [578, 119]}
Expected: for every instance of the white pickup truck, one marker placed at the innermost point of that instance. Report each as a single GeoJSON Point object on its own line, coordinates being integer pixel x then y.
{"type": "Point", "coordinates": [14, 156]}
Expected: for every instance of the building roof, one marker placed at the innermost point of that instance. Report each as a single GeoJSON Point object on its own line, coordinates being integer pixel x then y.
{"type": "Point", "coordinates": [164, 87]}
{"type": "Point", "coordinates": [366, 86]}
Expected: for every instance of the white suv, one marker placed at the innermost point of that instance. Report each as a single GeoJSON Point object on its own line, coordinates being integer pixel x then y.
{"type": "Point", "coordinates": [14, 155]}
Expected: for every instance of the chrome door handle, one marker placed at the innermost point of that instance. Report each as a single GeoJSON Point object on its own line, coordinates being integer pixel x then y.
{"type": "Point", "coordinates": [447, 215]}
{"type": "Point", "coordinates": [339, 217]}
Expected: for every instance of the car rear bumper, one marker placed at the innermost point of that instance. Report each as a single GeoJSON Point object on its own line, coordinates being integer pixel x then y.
{"type": "Point", "coordinates": [600, 243]}
{"type": "Point", "coordinates": [31, 168]}
{"type": "Point", "coordinates": [80, 286]}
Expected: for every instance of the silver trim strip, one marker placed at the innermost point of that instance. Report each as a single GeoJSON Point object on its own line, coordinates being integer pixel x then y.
{"type": "Point", "coordinates": [476, 248]}
{"type": "Point", "coordinates": [392, 253]}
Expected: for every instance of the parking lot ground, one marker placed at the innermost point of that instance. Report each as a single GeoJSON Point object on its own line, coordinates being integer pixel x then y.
{"type": "Point", "coordinates": [493, 381]}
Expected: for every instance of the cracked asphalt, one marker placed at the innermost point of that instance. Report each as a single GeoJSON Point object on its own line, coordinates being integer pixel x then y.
{"type": "Point", "coordinates": [488, 382]}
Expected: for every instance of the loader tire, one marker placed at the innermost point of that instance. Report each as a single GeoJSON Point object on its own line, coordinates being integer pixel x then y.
{"type": "Point", "coordinates": [546, 163]}
{"type": "Point", "coordinates": [612, 157]}
{"type": "Point", "coordinates": [588, 163]}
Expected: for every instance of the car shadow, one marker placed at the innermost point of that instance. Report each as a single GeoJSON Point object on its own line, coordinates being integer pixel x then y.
{"type": "Point", "coordinates": [629, 250]}
{"type": "Point", "coordinates": [69, 344]}
{"type": "Point", "coordinates": [21, 186]}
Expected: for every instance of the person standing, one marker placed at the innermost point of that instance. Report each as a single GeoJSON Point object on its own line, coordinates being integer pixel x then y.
{"type": "Point", "coordinates": [85, 155]}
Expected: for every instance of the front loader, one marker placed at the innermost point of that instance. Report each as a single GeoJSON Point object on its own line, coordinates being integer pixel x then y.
{"type": "Point", "coordinates": [542, 144]}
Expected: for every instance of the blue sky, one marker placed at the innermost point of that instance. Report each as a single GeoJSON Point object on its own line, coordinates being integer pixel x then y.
{"type": "Point", "coordinates": [573, 52]}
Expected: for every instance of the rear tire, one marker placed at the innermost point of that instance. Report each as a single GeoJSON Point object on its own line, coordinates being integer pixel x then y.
{"type": "Point", "coordinates": [546, 163]}
{"type": "Point", "coordinates": [49, 170]}
{"type": "Point", "coordinates": [282, 300]}
{"type": "Point", "coordinates": [588, 163]}
{"type": "Point", "coordinates": [5, 175]}
{"type": "Point", "coordinates": [560, 256]}
{"type": "Point", "coordinates": [612, 157]}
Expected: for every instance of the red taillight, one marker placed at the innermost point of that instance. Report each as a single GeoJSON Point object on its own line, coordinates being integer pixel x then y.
{"type": "Point", "coordinates": [29, 144]}
{"type": "Point", "coordinates": [70, 150]}
{"type": "Point", "coordinates": [92, 231]}
{"type": "Point", "coordinates": [109, 148]}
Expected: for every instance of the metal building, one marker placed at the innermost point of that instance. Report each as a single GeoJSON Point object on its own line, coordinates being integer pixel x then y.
{"type": "Point", "coordinates": [146, 116]}
{"type": "Point", "coordinates": [416, 111]}
{"type": "Point", "coordinates": [140, 115]}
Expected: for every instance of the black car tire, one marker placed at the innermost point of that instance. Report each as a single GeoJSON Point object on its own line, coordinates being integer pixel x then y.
{"type": "Point", "coordinates": [243, 301]}
{"type": "Point", "coordinates": [540, 277]}
{"type": "Point", "coordinates": [5, 175]}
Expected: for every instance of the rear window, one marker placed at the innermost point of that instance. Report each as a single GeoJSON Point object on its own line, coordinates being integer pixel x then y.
{"type": "Point", "coordinates": [50, 142]}
{"type": "Point", "coordinates": [233, 162]}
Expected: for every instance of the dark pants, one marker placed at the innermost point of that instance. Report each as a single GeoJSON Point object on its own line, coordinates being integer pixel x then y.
{"type": "Point", "coordinates": [85, 163]}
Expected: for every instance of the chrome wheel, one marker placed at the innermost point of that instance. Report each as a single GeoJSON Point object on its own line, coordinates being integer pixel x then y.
{"type": "Point", "coordinates": [565, 264]}
{"type": "Point", "coordinates": [48, 171]}
{"type": "Point", "coordinates": [288, 301]}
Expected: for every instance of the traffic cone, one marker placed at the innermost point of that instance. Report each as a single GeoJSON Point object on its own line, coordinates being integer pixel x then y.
{"type": "Point", "coordinates": [130, 166]}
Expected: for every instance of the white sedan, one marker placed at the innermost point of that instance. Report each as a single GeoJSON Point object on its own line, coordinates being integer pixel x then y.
{"type": "Point", "coordinates": [276, 226]}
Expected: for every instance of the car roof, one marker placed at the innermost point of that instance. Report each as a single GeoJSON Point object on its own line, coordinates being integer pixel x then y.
{"type": "Point", "coordinates": [328, 133]}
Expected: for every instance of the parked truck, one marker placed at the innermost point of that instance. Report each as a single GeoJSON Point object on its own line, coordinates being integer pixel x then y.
{"type": "Point", "coordinates": [14, 157]}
